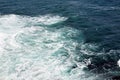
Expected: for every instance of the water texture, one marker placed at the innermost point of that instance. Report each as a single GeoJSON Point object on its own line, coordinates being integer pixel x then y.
{"type": "Point", "coordinates": [59, 40]}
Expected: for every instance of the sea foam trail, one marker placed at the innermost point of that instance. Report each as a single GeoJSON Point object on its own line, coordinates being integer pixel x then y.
{"type": "Point", "coordinates": [31, 50]}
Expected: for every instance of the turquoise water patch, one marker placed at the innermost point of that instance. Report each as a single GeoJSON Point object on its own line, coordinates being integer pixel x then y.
{"type": "Point", "coordinates": [30, 51]}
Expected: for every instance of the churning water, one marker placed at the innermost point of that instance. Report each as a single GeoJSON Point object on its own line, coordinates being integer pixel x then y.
{"type": "Point", "coordinates": [31, 50]}
{"type": "Point", "coordinates": [59, 40]}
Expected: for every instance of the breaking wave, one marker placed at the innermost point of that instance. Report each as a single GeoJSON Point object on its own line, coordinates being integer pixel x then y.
{"type": "Point", "coordinates": [31, 49]}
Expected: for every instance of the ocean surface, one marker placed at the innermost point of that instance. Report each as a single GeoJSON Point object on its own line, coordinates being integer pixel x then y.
{"type": "Point", "coordinates": [59, 39]}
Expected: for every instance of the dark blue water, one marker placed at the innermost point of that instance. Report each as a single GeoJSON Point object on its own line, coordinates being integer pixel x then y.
{"type": "Point", "coordinates": [98, 20]}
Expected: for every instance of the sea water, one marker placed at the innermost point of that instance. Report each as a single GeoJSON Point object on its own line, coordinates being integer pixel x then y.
{"type": "Point", "coordinates": [59, 40]}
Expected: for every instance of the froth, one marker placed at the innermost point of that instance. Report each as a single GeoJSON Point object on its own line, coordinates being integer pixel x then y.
{"type": "Point", "coordinates": [31, 51]}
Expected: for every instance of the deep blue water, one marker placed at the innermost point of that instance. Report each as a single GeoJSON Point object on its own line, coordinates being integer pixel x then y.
{"type": "Point", "coordinates": [96, 24]}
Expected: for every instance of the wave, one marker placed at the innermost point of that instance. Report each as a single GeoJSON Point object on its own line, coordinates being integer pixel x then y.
{"type": "Point", "coordinates": [32, 49]}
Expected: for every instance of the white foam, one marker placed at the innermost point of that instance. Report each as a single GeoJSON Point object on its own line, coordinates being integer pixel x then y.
{"type": "Point", "coordinates": [118, 63]}
{"type": "Point", "coordinates": [33, 52]}
{"type": "Point", "coordinates": [47, 20]}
